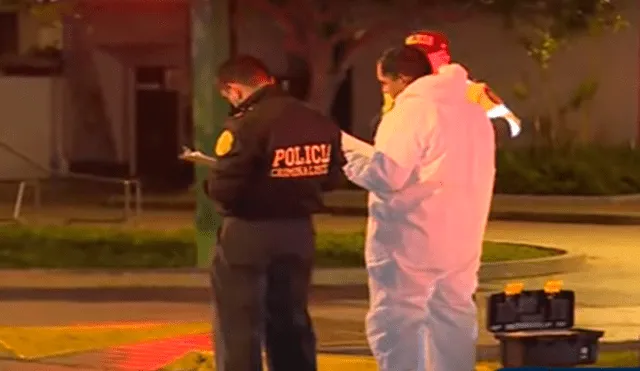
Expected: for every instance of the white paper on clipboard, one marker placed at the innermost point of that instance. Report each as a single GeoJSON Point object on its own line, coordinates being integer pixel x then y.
{"type": "Point", "coordinates": [353, 144]}
{"type": "Point", "coordinates": [196, 157]}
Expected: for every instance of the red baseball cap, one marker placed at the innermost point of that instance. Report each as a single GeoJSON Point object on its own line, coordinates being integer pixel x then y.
{"type": "Point", "coordinates": [434, 44]}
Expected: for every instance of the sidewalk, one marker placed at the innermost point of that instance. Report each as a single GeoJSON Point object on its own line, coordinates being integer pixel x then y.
{"type": "Point", "coordinates": [99, 296]}
{"type": "Point", "coordinates": [338, 320]}
{"type": "Point", "coordinates": [622, 210]}
{"type": "Point", "coordinates": [618, 210]}
{"type": "Point", "coordinates": [605, 210]}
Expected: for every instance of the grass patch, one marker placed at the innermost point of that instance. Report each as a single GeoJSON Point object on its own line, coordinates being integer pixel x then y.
{"type": "Point", "coordinates": [494, 252]}
{"type": "Point", "coordinates": [203, 361]}
{"type": "Point", "coordinates": [30, 343]}
{"type": "Point", "coordinates": [75, 247]}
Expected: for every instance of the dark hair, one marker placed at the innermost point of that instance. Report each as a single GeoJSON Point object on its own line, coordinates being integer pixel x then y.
{"type": "Point", "coordinates": [245, 70]}
{"type": "Point", "coordinates": [405, 60]}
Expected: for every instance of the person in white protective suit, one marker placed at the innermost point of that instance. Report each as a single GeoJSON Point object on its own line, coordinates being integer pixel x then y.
{"type": "Point", "coordinates": [435, 45]}
{"type": "Point", "coordinates": [430, 177]}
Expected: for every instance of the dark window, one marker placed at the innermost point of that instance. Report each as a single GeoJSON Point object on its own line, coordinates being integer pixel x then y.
{"type": "Point", "coordinates": [8, 32]}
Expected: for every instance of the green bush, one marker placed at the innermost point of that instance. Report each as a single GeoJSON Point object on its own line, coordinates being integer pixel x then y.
{"type": "Point", "coordinates": [592, 170]}
{"type": "Point", "coordinates": [66, 247]}
{"type": "Point", "coordinates": [568, 171]}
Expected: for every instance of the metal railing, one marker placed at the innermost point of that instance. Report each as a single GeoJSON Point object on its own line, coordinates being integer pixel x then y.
{"type": "Point", "coordinates": [132, 190]}
{"type": "Point", "coordinates": [17, 205]}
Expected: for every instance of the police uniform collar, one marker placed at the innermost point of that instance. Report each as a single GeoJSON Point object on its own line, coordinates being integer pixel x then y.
{"type": "Point", "coordinates": [258, 95]}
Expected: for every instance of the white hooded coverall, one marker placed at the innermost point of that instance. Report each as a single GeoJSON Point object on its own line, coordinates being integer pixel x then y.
{"type": "Point", "coordinates": [430, 178]}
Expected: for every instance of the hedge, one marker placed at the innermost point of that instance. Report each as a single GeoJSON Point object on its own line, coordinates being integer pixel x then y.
{"type": "Point", "coordinates": [67, 247]}
{"type": "Point", "coordinates": [568, 171]}
{"type": "Point", "coordinates": [587, 171]}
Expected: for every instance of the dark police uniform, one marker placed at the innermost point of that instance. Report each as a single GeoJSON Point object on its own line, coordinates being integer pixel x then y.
{"type": "Point", "coordinates": [275, 157]}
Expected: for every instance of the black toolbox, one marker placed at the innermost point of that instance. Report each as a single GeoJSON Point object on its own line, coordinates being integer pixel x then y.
{"type": "Point", "coordinates": [535, 328]}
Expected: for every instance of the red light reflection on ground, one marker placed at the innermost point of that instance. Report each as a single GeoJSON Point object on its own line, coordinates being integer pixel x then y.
{"type": "Point", "coordinates": [153, 355]}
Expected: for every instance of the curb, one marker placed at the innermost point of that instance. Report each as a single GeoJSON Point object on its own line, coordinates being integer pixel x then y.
{"type": "Point", "coordinates": [184, 201]}
{"type": "Point", "coordinates": [532, 267]}
{"type": "Point", "coordinates": [523, 216]}
{"type": "Point", "coordinates": [515, 216]}
{"type": "Point", "coordinates": [199, 278]}
{"type": "Point", "coordinates": [585, 200]}
{"type": "Point", "coordinates": [565, 218]}
{"type": "Point", "coordinates": [488, 271]}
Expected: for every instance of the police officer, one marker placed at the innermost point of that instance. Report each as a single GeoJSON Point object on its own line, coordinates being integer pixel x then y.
{"type": "Point", "coordinates": [275, 156]}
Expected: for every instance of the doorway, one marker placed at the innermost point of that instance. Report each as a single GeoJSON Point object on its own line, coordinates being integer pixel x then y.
{"type": "Point", "coordinates": [8, 32]}
{"type": "Point", "coordinates": [157, 126]}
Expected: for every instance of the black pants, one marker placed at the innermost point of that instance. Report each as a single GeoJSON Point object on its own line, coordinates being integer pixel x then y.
{"type": "Point", "coordinates": [261, 275]}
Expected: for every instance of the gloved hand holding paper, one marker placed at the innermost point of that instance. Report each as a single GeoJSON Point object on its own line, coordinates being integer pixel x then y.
{"type": "Point", "coordinates": [196, 157]}
{"type": "Point", "coordinates": [353, 144]}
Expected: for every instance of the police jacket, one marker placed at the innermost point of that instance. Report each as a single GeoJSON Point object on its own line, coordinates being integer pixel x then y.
{"type": "Point", "coordinates": [275, 157]}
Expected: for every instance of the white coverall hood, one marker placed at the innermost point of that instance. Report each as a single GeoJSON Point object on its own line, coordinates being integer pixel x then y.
{"type": "Point", "coordinates": [430, 178]}
{"type": "Point", "coordinates": [448, 86]}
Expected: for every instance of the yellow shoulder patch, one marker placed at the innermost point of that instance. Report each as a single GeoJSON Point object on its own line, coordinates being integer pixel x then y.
{"type": "Point", "coordinates": [224, 143]}
{"type": "Point", "coordinates": [475, 91]}
{"type": "Point", "coordinates": [388, 104]}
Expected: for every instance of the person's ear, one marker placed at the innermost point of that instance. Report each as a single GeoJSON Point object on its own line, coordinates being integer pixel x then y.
{"type": "Point", "coordinates": [234, 86]}
{"type": "Point", "coordinates": [405, 79]}
{"type": "Point", "coordinates": [224, 89]}
{"type": "Point", "coordinates": [237, 90]}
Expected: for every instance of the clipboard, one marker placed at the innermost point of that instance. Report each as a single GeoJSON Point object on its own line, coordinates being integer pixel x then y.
{"type": "Point", "coordinates": [196, 157]}
{"type": "Point", "coordinates": [353, 144]}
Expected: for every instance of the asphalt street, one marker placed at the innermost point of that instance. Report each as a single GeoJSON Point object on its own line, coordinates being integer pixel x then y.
{"type": "Point", "coordinates": [607, 289]}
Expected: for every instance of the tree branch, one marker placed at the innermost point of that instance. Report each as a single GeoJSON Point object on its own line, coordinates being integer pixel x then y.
{"type": "Point", "coordinates": [331, 10]}
{"type": "Point", "coordinates": [308, 12]}
{"type": "Point", "coordinates": [453, 11]}
{"type": "Point", "coordinates": [278, 14]}
{"type": "Point", "coordinates": [346, 33]}
{"type": "Point", "coordinates": [355, 45]}
{"type": "Point", "coordinates": [284, 20]}
{"type": "Point", "coordinates": [294, 46]}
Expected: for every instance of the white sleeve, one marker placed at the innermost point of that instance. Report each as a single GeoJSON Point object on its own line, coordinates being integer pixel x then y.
{"type": "Point", "coordinates": [399, 146]}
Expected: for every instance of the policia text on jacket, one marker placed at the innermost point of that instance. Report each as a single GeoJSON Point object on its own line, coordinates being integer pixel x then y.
{"type": "Point", "coordinates": [301, 161]}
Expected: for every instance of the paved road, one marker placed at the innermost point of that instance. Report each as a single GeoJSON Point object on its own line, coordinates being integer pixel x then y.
{"type": "Point", "coordinates": [612, 278]}
{"type": "Point", "coordinates": [608, 289]}
{"type": "Point", "coordinates": [158, 294]}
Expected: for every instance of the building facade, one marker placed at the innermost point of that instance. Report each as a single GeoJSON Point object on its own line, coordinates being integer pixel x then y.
{"type": "Point", "coordinates": [127, 96]}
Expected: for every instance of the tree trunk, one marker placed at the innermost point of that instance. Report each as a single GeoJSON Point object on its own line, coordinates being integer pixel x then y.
{"type": "Point", "coordinates": [322, 91]}
{"type": "Point", "coordinates": [323, 83]}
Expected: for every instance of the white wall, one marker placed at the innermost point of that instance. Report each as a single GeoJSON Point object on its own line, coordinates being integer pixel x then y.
{"type": "Point", "coordinates": [117, 51]}
{"type": "Point", "coordinates": [27, 32]}
{"type": "Point", "coordinates": [112, 79]}
{"type": "Point", "coordinates": [492, 54]}
{"type": "Point", "coordinates": [160, 37]}
{"type": "Point", "coordinates": [29, 115]}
